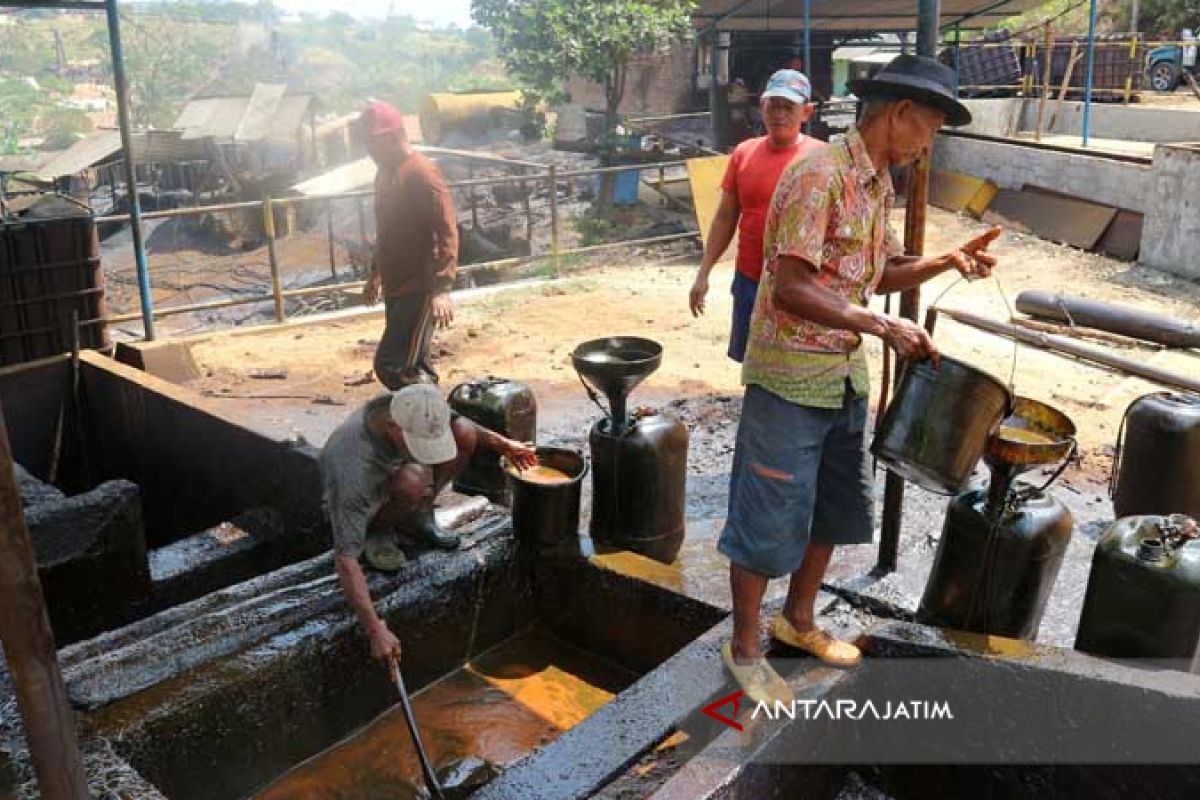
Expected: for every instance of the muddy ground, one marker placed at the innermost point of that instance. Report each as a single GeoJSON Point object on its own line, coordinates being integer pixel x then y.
{"type": "Point", "coordinates": [526, 332]}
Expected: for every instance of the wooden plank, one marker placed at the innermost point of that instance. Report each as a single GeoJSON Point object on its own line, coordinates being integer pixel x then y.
{"type": "Point", "coordinates": [704, 175]}
{"type": "Point", "coordinates": [1058, 219]}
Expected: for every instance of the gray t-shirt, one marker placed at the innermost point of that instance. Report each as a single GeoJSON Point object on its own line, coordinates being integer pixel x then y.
{"type": "Point", "coordinates": [355, 465]}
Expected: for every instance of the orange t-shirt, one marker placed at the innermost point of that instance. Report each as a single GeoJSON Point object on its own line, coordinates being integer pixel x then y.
{"type": "Point", "coordinates": [754, 169]}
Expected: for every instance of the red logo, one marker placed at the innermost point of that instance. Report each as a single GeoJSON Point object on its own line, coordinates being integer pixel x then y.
{"type": "Point", "coordinates": [736, 699]}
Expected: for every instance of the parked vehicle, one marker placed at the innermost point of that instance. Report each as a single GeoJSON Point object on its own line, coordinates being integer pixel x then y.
{"type": "Point", "coordinates": [1166, 65]}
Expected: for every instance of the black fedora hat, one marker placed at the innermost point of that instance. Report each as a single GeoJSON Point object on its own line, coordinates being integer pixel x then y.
{"type": "Point", "coordinates": [920, 79]}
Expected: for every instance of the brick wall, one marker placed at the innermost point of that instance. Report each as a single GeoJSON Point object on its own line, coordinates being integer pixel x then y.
{"type": "Point", "coordinates": [657, 84]}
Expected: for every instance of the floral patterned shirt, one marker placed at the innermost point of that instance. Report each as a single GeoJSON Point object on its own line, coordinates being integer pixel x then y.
{"type": "Point", "coordinates": [830, 210]}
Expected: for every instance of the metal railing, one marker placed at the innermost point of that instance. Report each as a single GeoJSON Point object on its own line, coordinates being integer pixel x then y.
{"type": "Point", "coordinates": [550, 178]}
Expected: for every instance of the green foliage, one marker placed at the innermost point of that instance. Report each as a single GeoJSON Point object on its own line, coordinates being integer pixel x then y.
{"type": "Point", "coordinates": [1168, 17]}
{"type": "Point", "coordinates": [544, 42]}
{"type": "Point", "coordinates": [177, 50]}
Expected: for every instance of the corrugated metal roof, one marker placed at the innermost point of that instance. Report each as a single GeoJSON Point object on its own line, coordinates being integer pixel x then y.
{"type": "Point", "coordinates": [20, 163]}
{"type": "Point", "coordinates": [346, 178]}
{"type": "Point", "coordinates": [91, 149]}
{"type": "Point", "coordinates": [851, 15]}
{"type": "Point", "coordinates": [289, 116]}
{"type": "Point", "coordinates": [149, 147]}
{"type": "Point", "coordinates": [260, 110]}
{"type": "Point", "coordinates": [268, 113]}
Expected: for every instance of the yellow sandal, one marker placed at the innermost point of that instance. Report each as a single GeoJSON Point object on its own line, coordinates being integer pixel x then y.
{"type": "Point", "coordinates": [816, 642]}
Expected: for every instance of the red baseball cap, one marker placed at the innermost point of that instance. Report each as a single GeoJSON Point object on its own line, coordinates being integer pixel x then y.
{"type": "Point", "coordinates": [379, 118]}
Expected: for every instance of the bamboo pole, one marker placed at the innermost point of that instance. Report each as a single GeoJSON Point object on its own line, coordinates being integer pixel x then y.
{"type": "Point", "coordinates": [1045, 93]}
{"type": "Point", "coordinates": [1063, 346]}
{"type": "Point", "coordinates": [30, 650]}
{"type": "Point", "coordinates": [273, 257]}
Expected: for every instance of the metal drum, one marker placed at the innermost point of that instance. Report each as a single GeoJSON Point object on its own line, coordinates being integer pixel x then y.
{"type": "Point", "coordinates": [1143, 593]}
{"type": "Point", "coordinates": [503, 406]}
{"type": "Point", "coordinates": [1157, 466]}
{"type": "Point", "coordinates": [937, 427]}
{"type": "Point", "coordinates": [994, 575]}
{"type": "Point", "coordinates": [639, 486]}
{"type": "Point", "coordinates": [546, 515]}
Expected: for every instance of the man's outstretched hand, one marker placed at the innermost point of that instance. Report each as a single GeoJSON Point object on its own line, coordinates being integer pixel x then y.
{"type": "Point", "coordinates": [972, 259]}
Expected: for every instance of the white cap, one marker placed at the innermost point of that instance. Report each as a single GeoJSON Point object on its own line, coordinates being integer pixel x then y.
{"type": "Point", "coordinates": [424, 420]}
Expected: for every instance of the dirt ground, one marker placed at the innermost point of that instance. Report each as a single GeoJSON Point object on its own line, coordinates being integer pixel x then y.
{"type": "Point", "coordinates": [527, 332]}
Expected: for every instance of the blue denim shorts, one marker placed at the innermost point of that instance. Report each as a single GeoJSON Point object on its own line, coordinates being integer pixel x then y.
{"type": "Point", "coordinates": [799, 474]}
{"type": "Point", "coordinates": [744, 291]}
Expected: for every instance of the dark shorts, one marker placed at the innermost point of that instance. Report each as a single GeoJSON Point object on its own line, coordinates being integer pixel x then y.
{"type": "Point", "coordinates": [743, 291]}
{"type": "Point", "coordinates": [799, 474]}
{"type": "Point", "coordinates": [402, 357]}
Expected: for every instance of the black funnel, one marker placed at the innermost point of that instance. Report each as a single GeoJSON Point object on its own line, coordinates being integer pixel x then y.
{"type": "Point", "coordinates": [615, 365]}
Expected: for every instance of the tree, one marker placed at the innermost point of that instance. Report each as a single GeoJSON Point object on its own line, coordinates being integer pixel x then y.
{"type": "Point", "coordinates": [544, 42]}
{"type": "Point", "coordinates": [1169, 17]}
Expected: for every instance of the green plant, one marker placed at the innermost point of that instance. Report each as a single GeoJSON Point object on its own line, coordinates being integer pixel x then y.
{"type": "Point", "coordinates": [545, 42]}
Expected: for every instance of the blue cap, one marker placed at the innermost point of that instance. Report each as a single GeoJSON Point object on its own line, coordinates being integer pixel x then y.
{"type": "Point", "coordinates": [790, 85]}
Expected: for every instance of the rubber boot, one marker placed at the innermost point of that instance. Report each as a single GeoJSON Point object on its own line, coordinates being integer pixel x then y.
{"type": "Point", "coordinates": [423, 527]}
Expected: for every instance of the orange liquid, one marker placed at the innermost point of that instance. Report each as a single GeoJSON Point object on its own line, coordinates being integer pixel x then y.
{"type": "Point", "coordinates": [509, 701]}
{"type": "Point", "coordinates": [540, 474]}
{"type": "Point", "coordinates": [1024, 435]}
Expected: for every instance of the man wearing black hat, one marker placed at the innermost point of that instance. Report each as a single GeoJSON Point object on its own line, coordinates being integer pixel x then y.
{"type": "Point", "coordinates": [801, 482]}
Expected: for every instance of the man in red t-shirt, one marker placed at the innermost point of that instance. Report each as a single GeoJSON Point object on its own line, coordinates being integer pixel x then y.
{"type": "Point", "coordinates": [754, 169]}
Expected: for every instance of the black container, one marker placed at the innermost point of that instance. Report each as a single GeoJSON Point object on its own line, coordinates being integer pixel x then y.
{"type": "Point", "coordinates": [639, 484]}
{"type": "Point", "coordinates": [1157, 466]}
{"type": "Point", "coordinates": [501, 405]}
{"type": "Point", "coordinates": [1143, 595]}
{"type": "Point", "coordinates": [49, 270]}
{"type": "Point", "coordinates": [546, 515]}
{"type": "Point", "coordinates": [937, 426]}
{"type": "Point", "coordinates": [994, 574]}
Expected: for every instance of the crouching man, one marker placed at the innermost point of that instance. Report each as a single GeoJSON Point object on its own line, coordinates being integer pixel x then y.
{"type": "Point", "coordinates": [382, 469]}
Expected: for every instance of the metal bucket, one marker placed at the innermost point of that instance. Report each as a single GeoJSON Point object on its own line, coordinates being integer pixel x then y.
{"type": "Point", "coordinates": [937, 427]}
{"type": "Point", "coordinates": [546, 515]}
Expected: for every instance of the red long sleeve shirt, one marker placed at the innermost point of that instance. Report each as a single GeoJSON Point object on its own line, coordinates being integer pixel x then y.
{"type": "Point", "coordinates": [416, 240]}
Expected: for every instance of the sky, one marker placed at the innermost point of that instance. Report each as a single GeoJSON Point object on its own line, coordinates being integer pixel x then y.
{"type": "Point", "coordinates": [439, 12]}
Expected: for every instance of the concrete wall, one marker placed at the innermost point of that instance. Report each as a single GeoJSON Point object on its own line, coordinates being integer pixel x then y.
{"type": "Point", "coordinates": [999, 116]}
{"type": "Point", "coordinates": [195, 467]}
{"type": "Point", "coordinates": [1171, 233]}
{"type": "Point", "coordinates": [1002, 116]}
{"type": "Point", "coordinates": [1102, 180]}
{"type": "Point", "coordinates": [1111, 121]}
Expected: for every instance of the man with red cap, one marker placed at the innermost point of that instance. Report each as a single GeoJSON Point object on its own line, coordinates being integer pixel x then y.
{"type": "Point", "coordinates": [416, 248]}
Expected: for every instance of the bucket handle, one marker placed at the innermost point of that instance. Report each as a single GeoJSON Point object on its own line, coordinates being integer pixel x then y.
{"type": "Point", "coordinates": [1066, 462]}
{"type": "Point", "coordinates": [1116, 465]}
{"type": "Point", "coordinates": [1012, 373]}
{"type": "Point", "coordinates": [595, 398]}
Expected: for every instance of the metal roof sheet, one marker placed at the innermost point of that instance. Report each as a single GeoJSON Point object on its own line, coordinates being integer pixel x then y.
{"type": "Point", "coordinates": [91, 149]}
{"type": "Point", "coordinates": [850, 15]}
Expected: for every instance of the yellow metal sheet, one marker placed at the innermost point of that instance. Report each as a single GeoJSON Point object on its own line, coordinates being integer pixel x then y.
{"type": "Point", "coordinates": [704, 175]}
{"type": "Point", "coordinates": [958, 192]}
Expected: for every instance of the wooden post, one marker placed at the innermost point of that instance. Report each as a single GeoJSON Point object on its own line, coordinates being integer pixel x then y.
{"type": "Point", "coordinates": [554, 243]}
{"type": "Point", "coordinates": [329, 236]}
{"type": "Point", "coordinates": [1066, 84]}
{"type": "Point", "coordinates": [525, 189]}
{"type": "Point", "coordinates": [471, 191]}
{"type": "Point", "coordinates": [1045, 92]}
{"type": "Point", "coordinates": [30, 650]}
{"type": "Point", "coordinates": [273, 257]}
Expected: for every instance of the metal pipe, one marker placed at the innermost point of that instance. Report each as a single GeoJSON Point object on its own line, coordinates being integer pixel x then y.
{"type": "Point", "coordinates": [808, 37]}
{"type": "Point", "coordinates": [329, 238]}
{"type": "Point", "coordinates": [1091, 71]}
{"type": "Point", "coordinates": [131, 190]}
{"type": "Point", "coordinates": [1125, 320]}
{"type": "Point", "coordinates": [30, 651]}
{"type": "Point", "coordinates": [356, 285]}
{"type": "Point", "coordinates": [273, 257]}
{"type": "Point", "coordinates": [928, 15]}
{"type": "Point", "coordinates": [190, 211]}
{"type": "Point", "coordinates": [1064, 346]}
